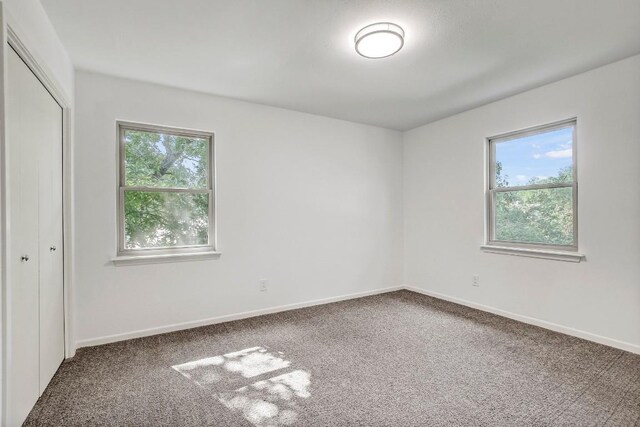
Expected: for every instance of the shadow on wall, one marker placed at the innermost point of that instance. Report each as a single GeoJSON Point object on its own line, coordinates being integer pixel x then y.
{"type": "Point", "coordinates": [272, 401]}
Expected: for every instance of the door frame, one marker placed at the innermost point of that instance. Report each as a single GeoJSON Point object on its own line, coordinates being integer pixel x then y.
{"type": "Point", "coordinates": [8, 37]}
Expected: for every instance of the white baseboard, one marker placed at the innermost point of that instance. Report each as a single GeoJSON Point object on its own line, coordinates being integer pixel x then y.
{"type": "Point", "coordinates": [633, 348]}
{"type": "Point", "coordinates": [622, 345]}
{"type": "Point", "coordinates": [227, 318]}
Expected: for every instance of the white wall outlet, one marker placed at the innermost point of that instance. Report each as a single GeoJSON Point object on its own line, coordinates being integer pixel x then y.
{"type": "Point", "coordinates": [262, 285]}
{"type": "Point", "coordinates": [475, 281]}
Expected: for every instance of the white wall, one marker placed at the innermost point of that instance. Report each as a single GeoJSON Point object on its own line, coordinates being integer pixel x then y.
{"type": "Point", "coordinates": [313, 205]}
{"type": "Point", "coordinates": [444, 168]}
{"type": "Point", "coordinates": [30, 22]}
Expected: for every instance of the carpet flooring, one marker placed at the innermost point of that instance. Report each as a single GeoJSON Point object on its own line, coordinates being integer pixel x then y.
{"type": "Point", "coordinates": [397, 359]}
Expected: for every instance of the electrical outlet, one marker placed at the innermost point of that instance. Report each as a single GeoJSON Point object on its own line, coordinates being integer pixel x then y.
{"type": "Point", "coordinates": [475, 281]}
{"type": "Point", "coordinates": [262, 285]}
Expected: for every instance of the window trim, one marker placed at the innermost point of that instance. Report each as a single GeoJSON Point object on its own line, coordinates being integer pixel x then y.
{"type": "Point", "coordinates": [178, 253]}
{"type": "Point", "coordinates": [522, 248]}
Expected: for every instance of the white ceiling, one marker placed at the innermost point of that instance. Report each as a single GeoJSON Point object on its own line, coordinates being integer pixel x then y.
{"type": "Point", "coordinates": [298, 54]}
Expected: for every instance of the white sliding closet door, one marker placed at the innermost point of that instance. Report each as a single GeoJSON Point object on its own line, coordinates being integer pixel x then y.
{"type": "Point", "coordinates": [35, 327]}
{"type": "Point", "coordinates": [50, 243]}
{"type": "Point", "coordinates": [23, 325]}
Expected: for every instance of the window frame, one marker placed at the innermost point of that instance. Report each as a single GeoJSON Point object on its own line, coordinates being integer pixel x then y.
{"type": "Point", "coordinates": [491, 190]}
{"type": "Point", "coordinates": [181, 252]}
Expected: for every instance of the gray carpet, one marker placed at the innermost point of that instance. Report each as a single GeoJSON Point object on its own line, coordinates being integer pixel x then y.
{"type": "Point", "coordinates": [398, 359]}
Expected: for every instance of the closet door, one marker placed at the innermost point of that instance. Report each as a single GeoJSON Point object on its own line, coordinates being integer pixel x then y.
{"type": "Point", "coordinates": [50, 244]}
{"type": "Point", "coordinates": [23, 381]}
{"type": "Point", "coordinates": [33, 122]}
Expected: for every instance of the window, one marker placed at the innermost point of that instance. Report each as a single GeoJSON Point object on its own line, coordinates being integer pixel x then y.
{"type": "Point", "coordinates": [532, 194]}
{"type": "Point", "coordinates": [166, 198]}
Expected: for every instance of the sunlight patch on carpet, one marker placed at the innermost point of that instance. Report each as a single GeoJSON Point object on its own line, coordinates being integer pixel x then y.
{"type": "Point", "coordinates": [270, 402]}
{"type": "Point", "coordinates": [248, 363]}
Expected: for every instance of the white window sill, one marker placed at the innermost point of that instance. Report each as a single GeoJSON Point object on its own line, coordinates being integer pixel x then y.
{"type": "Point", "coordinates": [162, 258]}
{"type": "Point", "coordinates": [534, 253]}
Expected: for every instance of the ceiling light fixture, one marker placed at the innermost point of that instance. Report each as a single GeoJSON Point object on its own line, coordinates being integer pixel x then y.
{"type": "Point", "coordinates": [379, 40]}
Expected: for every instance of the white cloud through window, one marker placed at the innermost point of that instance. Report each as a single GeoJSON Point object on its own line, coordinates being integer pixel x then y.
{"type": "Point", "coordinates": [559, 154]}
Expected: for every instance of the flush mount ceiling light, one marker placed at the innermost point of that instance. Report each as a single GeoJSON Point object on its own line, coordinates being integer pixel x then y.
{"type": "Point", "coordinates": [379, 40]}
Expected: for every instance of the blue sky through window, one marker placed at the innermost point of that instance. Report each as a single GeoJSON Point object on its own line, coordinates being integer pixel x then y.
{"type": "Point", "coordinates": [539, 156]}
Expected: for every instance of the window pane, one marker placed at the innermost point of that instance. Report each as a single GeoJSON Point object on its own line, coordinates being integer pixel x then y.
{"type": "Point", "coordinates": [162, 160]}
{"type": "Point", "coordinates": [164, 219]}
{"type": "Point", "coordinates": [545, 157]}
{"type": "Point", "coordinates": [535, 216]}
